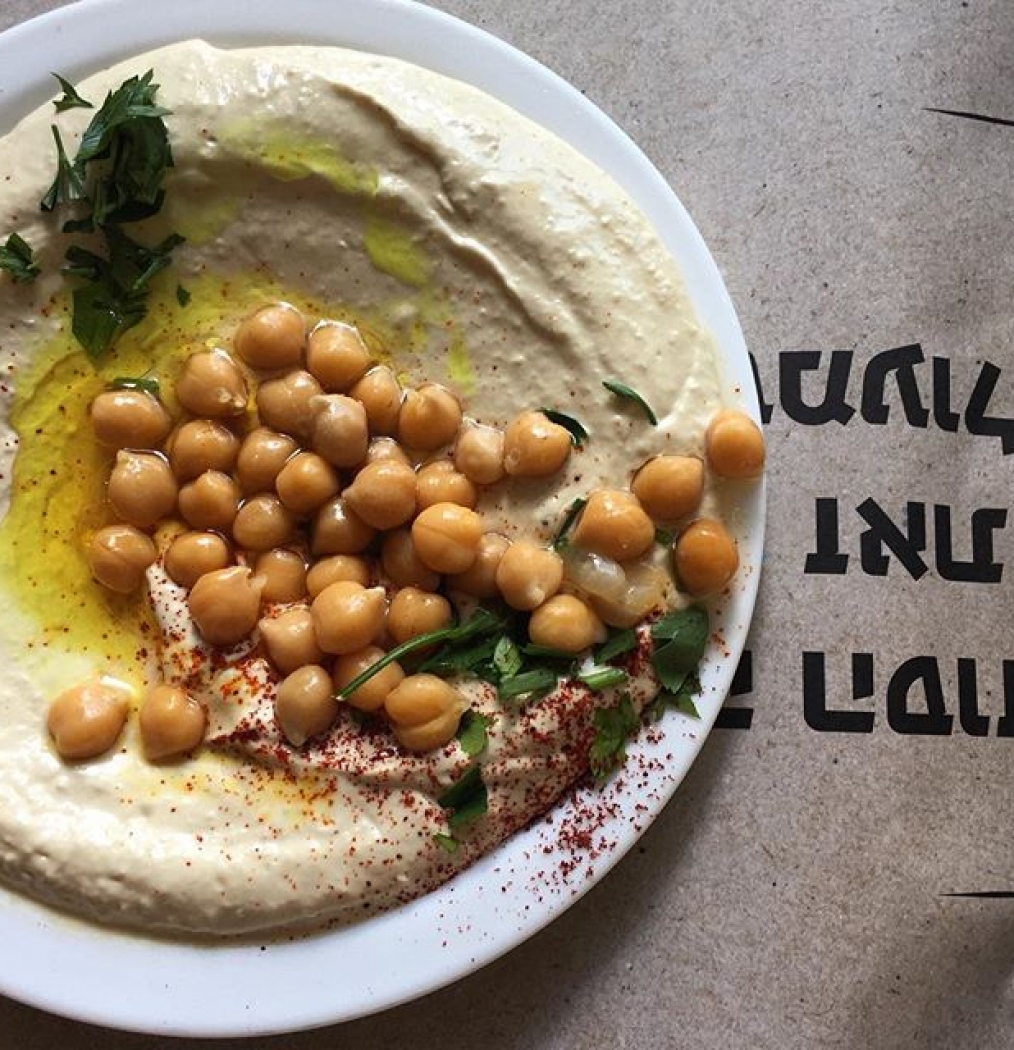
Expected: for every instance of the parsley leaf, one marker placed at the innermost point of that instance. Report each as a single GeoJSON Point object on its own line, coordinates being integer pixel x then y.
{"type": "Point", "coordinates": [472, 733]}
{"type": "Point", "coordinates": [613, 728]}
{"type": "Point", "coordinates": [467, 798]}
{"type": "Point", "coordinates": [149, 384]}
{"type": "Point", "coordinates": [600, 677]}
{"type": "Point", "coordinates": [578, 434]}
{"type": "Point", "coordinates": [682, 700]}
{"type": "Point", "coordinates": [560, 539]}
{"type": "Point", "coordinates": [448, 842]}
{"type": "Point", "coordinates": [679, 641]}
{"type": "Point", "coordinates": [71, 99]}
{"type": "Point", "coordinates": [16, 257]}
{"type": "Point", "coordinates": [630, 394]}
{"type": "Point", "coordinates": [535, 682]}
{"type": "Point", "coordinates": [618, 643]}
{"type": "Point", "coordinates": [68, 185]}
{"type": "Point", "coordinates": [663, 537]}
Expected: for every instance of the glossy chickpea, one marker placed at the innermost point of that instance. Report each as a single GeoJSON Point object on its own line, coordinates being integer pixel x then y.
{"type": "Point", "coordinates": [385, 448]}
{"type": "Point", "coordinates": [348, 616]}
{"type": "Point", "coordinates": [305, 705]}
{"type": "Point", "coordinates": [290, 639]}
{"type": "Point", "coordinates": [86, 720]}
{"type": "Point", "coordinates": [613, 523]}
{"type": "Point", "coordinates": [383, 494]}
{"type": "Point", "coordinates": [225, 604]}
{"type": "Point", "coordinates": [118, 556]}
{"type": "Point", "coordinates": [429, 417]}
{"type": "Point", "coordinates": [338, 529]}
{"type": "Point", "coordinates": [261, 457]}
{"type": "Point", "coordinates": [669, 487]}
{"type": "Point", "coordinates": [380, 394]}
{"type": "Point", "coordinates": [129, 419]}
{"type": "Point", "coordinates": [528, 574]}
{"type": "Point", "coordinates": [441, 482]}
{"type": "Point", "coordinates": [211, 384]}
{"type": "Point", "coordinates": [263, 522]}
{"type": "Point", "coordinates": [306, 482]}
{"type": "Point", "coordinates": [479, 452]}
{"type": "Point", "coordinates": [734, 446]}
{"type": "Point", "coordinates": [193, 554]}
{"type": "Point", "coordinates": [334, 569]}
{"type": "Point", "coordinates": [425, 711]}
{"type": "Point", "coordinates": [142, 488]}
{"type": "Point", "coordinates": [401, 563]}
{"type": "Point", "coordinates": [370, 696]}
{"type": "Point", "coordinates": [272, 338]}
{"type": "Point", "coordinates": [705, 557]}
{"type": "Point", "coordinates": [336, 355]}
{"type": "Point", "coordinates": [284, 575]}
{"type": "Point", "coordinates": [566, 623]}
{"type": "Point", "coordinates": [479, 580]}
{"type": "Point", "coordinates": [284, 403]}
{"type": "Point", "coordinates": [200, 445]}
{"type": "Point", "coordinates": [339, 430]}
{"type": "Point", "coordinates": [171, 722]}
{"type": "Point", "coordinates": [534, 446]}
{"type": "Point", "coordinates": [210, 501]}
{"type": "Point", "coordinates": [447, 537]}
{"type": "Point", "coordinates": [414, 612]}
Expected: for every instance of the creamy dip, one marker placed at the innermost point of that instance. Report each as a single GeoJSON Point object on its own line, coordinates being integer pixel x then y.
{"type": "Point", "coordinates": [472, 248]}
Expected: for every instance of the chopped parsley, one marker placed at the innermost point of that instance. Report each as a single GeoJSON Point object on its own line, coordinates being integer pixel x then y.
{"type": "Point", "coordinates": [577, 431]}
{"type": "Point", "coordinates": [472, 733]}
{"type": "Point", "coordinates": [447, 842]}
{"type": "Point", "coordinates": [599, 677]}
{"type": "Point", "coordinates": [149, 384]}
{"type": "Point", "coordinates": [560, 539]}
{"type": "Point", "coordinates": [619, 642]}
{"type": "Point", "coordinates": [614, 726]}
{"type": "Point", "coordinates": [679, 640]}
{"type": "Point", "coordinates": [630, 394]}
{"type": "Point", "coordinates": [70, 99]}
{"type": "Point", "coordinates": [17, 258]}
{"type": "Point", "coordinates": [466, 799]}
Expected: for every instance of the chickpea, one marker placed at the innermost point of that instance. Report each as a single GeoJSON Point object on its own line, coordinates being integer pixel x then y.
{"type": "Point", "coordinates": [142, 489]}
{"type": "Point", "coordinates": [535, 447]}
{"type": "Point", "coordinates": [348, 616]}
{"type": "Point", "coordinates": [614, 524]}
{"type": "Point", "coordinates": [336, 355]}
{"type": "Point", "coordinates": [261, 457]}
{"type": "Point", "coordinates": [528, 574]}
{"type": "Point", "coordinates": [210, 501]}
{"type": "Point", "coordinates": [734, 445]}
{"type": "Point", "coordinates": [211, 384]}
{"type": "Point", "coordinates": [447, 537]}
{"type": "Point", "coordinates": [339, 430]}
{"type": "Point", "coordinates": [669, 487]}
{"type": "Point", "coordinates": [306, 482]}
{"type": "Point", "coordinates": [706, 557]}
{"type": "Point", "coordinates": [284, 403]}
{"type": "Point", "coordinates": [383, 494]}
{"type": "Point", "coordinates": [565, 623]}
{"type": "Point", "coordinates": [414, 612]}
{"type": "Point", "coordinates": [193, 554]}
{"type": "Point", "coordinates": [262, 522]}
{"type": "Point", "coordinates": [129, 419]}
{"type": "Point", "coordinates": [370, 696]}
{"type": "Point", "coordinates": [380, 394]}
{"type": "Point", "coordinates": [290, 639]}
{"type": "Point", "coordinates": [478, 454]}
{"type": "Point", "coordinates": [479, 580]}
{"type": "Point", "coordinates": [440, 482]}
{"type": "Point", "coordinates": [225, 604]}
{"type": "Point", "coordinates": [171, 722]}
{"type": "Point", "coordinates": [425, 711]}
{"type": "Point", "coordinates": [305, 705]}
{"type": "Point", "coordinates": [200, 445]}
{"type": "Point", "coordinates": [402, 565]}
{"type": "Point", "coordinates": [337, 567]}
{"type": "Point", "coordinates": [430, 417]}
{"type": "Point", "coordinates": [338, 529]}
{"type": "Point", "coordinates": [118, 556]}
{"type": "Point", "coordinates": [385, 448]}
{"type": "Point", "coordinates": [86, 720]}
{"type": "Point", "coordinates": [284, 574]}
{"type": "Point", "coordinates": [272, 338]}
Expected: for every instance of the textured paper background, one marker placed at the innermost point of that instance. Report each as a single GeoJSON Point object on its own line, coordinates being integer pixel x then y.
{"type": "Point", "coordinates": [794, 893]}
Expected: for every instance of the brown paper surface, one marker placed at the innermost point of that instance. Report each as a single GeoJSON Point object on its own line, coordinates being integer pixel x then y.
{"type": "Point", "coordinates": [814, 882]}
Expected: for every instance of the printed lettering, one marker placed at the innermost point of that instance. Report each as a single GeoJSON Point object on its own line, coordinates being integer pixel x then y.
{"type": "Point", "coordinates": [901, 361]}
{"type": "Point", "coordinates": [934, 721]}
{"type": "Point", "coordinates": [833, 406]}
{"type": "Point", "coordinates": [827, 559]}
{"type": "Point", "coordinates": [765, 408]}
{"type": "Point", "coordinates": [976, 419]}
{"type": "Point", "coordinates": [884, 533]}
{"type": "Point", "coordinates": [1005, 723]}
{"type": "Point", "coordinates": [742, 684]}
{"type": "Point", "coordinates": [943, 415]}
{"type": "Point", "coordinates": [973, 723]}
{"type": "Point", "coordinates": [815, 710]}
{"type": "Point", "coordinates": [982, 568]}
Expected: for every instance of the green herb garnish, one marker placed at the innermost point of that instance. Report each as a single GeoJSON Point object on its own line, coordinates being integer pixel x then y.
{"type": "Point", "coordinates": [149, 384]}
{"type": "Point", "coordinates": [578, 434]}
{"type": "Point", "coordinates": [466, 798]}
{"type": "Point", "coordinates": [682, 700]}
{"type": "Point", "coordinates": [679, 641]}
{"type": "Point", "coordinates": [71, 99]}
{"type": "Point", "coordinates": [448, 842]}
{"type": "Point", "coordinates": [68, 186]}
{"type": "Point", "coordinates": [472, 735]}
{"type": "Point", "coordinates": [598, 677]}
{"type": "Point", "coordinates": [613, 728]}
{"type": "Point", "coordinates": [560, 539]}
{"type": "Point", "coordinates": [663, 537]}
{"type": "Point", "coordinates": [182, 295]}
{"type": "Point", "coordinates": [16, 257]}
{"type": "Point", "coordinates": [537, 681]}
{"type": "Point", "coordinates": [545, 652]}
{"type": "Point", "coordinates": [618, 643]}
{"type": "Point", "coordinates": [629, 394]}
{"type": "Point", "coordinates": [507, 658]}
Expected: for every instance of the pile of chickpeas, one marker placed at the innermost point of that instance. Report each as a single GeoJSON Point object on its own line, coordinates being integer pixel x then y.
{"type": "Point", "coordinates": [335, 525]}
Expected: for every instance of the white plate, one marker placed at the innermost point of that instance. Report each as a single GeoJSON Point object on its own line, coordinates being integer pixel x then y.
{"type": "Point", "coordinates": [130, 982]}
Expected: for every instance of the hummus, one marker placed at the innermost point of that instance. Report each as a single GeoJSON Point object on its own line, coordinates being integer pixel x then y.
{"type": "Point", "coordinates": [471, 248]}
